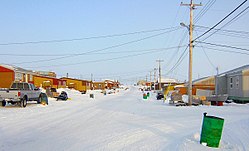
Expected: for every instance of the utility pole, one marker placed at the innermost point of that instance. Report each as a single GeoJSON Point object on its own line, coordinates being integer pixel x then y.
{"type": "Point", "coordinates": [91, 77]}
{"type": "Point", "coordinates": [159, 68]}
{"type": "Point", "coordinates": [216, 81]}
{"type": "Point", "coordinates": [150, 79]}
{"type": "Point", "coordinates": [190, 28]}
{"type": "Point", "coordinates": [154, 83]}
{"type": "Point", "coordinates": [155, 75]}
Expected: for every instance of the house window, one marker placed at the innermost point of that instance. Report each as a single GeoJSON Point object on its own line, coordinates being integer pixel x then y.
{"type": "Point", "coordinates": [30, 78]}
{"type": "Point", "coordinates": [231, 83]}
{"type": "Point", "coordinates": [237, 82]}
{"type": "Point", "coordinates": [18, 76]}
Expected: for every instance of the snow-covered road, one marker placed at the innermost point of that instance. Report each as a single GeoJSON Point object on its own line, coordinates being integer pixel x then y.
{"type": "Point", "coordinates": [120, 121]}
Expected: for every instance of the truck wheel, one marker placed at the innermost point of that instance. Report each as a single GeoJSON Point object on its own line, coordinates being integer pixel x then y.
{"type": "Point", "coordinates": [4, 103]}
{"type": "Point", "coordinates": [24, 102]}
{"type": "Point", "coordinates": [39, 100]}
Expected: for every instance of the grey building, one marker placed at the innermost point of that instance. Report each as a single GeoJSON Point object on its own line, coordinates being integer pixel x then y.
{"type": "Point", "coordinates": [234, 83]}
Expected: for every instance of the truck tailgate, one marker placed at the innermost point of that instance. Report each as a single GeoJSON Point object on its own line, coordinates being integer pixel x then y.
{"type": "Point", "coordinates": [9, 94]}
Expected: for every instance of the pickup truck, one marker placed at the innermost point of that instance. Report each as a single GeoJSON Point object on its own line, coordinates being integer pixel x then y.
{"type": "Point", "coordinates": [20, 93]}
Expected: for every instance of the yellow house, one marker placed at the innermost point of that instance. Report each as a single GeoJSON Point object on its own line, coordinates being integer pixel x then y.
{"type": "Point", "coordinates": [99, 85]}
{"type": "Point", "coordinates": [43, 81]}
{"type": "Point", "coordinates": [77, 84]}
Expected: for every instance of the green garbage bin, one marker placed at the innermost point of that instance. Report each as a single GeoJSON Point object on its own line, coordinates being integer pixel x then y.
{"type": "Point", "coordinates": [148, 94]}
{"type": "Point", "coordinates": [211, 130]}
{"type": "Point", "coordinates": [144, 96]}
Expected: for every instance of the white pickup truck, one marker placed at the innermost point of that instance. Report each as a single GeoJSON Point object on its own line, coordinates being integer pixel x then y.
{"type": "Point", "coordinates": [20, 93]}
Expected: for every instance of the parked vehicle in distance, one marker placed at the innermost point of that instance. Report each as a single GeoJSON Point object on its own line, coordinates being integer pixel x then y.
{"type": "Point", "coordinates": [159, 96]}
{"type": "Point", "coordinates": [20, 93]}
{"type": "Point", "coordinates": [63, 96]}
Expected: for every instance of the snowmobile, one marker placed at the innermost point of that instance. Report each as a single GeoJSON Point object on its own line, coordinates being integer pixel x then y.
{"type": "Point", "coordinates": [63, 96]}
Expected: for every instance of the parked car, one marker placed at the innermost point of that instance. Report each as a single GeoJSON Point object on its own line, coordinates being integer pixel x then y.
{"type": "Point", "coordinates": [20, 93]}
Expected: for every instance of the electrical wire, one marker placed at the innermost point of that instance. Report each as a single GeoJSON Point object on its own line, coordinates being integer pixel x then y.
{"type": "Point", "coordinates": [232, 20]}
{"type": "Point", "coordinates": [84, 38]}
{"type": "Point", "coordinates": [176, 52]}
{"type": "Point", "coordinates": [220, 21]}
{"type": "Point", "coordinates": [203, 11]}
{"type": "Point", "coordinates": [237, 32]}
{"type": "Point", "coordinates": [220, 45]}
{"type": "Point", "coordinates": [178, 61]}
{"type": "Point", "coordinates": [102, 60]}
{"type": "Point", "coordinates": [237, 35]}
{"type": "Point", "coordinates": [98, 50]}
{"type": "Point", "coordinates": [222, 50]}
{"type": "Point", "coordinates": [223, 30]}
{"type": "Point", "coordinates": [206, 54]}
{"type": "Point", "coordinates": [97, 53]}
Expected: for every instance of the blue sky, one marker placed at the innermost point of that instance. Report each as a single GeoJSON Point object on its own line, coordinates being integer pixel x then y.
{"type": "Point", "coordinates": [32, 21]}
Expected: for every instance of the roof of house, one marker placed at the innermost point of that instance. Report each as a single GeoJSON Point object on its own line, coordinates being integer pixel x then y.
{"type": "Point", "coordinates": [202, 79]}
{"type": "Point", "coordinates": [168, 80]}
{"type": "Point", "coordinates": [15, 68]}
{"type": "Point", "coordinates": [245, 67]}
{"type": "Point", "coordinates": [74, 79]}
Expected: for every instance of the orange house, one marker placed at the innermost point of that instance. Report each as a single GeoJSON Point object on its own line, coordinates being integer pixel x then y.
{"type": "Point", "coordinates": [9, 74]}
{"type": "Point", "coordinates": [206, 83]}
{"type": "Point", "coordinates": [111, 84]}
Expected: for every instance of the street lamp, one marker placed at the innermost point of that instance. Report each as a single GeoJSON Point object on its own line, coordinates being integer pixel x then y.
{"type": "Point", "coordinates": [184, 25]}
{"type": "Point", "coordinates": [190, 29]}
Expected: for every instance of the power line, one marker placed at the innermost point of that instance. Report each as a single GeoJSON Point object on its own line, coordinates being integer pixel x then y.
{"type": "Point", "coordinates": [208, 57]}
{"type": "Point", "coordinates": [175, 53]}
{"type": "Point", "coordinates": [224, 30]}
{"type": "Point", "coordinates": [237, 35]}
{"type": "Point", "coordinates": [232, 20]}
{"type": "Point", "coordinates": [125, 74]}
{"type": "Point", "coordinates": [84, 38]}
{"type": "Point", "coordinates": [220, 45]}
{"type": "Point", "coordinates": [101, 60]}
{"type": "Point", "coordinates": [203, 11]}
{"type": "Point", "coordinates": [220, 21]}
{"type": "Point", "coordinates": [178, 61]}
{"type": "Point", "coordinates": [206, 54]}
{"type": "Point", "coordinates": [230, 51]}
{"type": "Point", "coordinates": [98, 50]}
{"type": "Point", "coordinates": [47, 55]}
{"type": "Point", "coordinates": [237, 16]}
